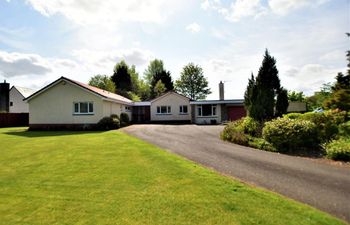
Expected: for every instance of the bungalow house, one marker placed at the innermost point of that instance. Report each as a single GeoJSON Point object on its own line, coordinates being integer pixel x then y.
{"type": "Point", "coordinates": [173, 107]}
{"type": "Point", "coordinates": [66, 103]}
{"type": "Point", "coordinates": [16, 96]}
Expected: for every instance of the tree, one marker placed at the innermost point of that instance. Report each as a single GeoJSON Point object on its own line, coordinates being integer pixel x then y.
{"type": "Point", "coordinates": [165, 78]}
{"type": "Point", "coordinates": [159, 88]}
{"type": "Point", "coordinates": [122, 79]}
{"type": "Point", "coordinates": [103, 82]}
{"type": "Point", "coordinates": [266, 87]}
{"type": "Point", "coordinates": [340, 97]}
{"type": "Point", "coordinates": [318, 99]}
{"type": "Point", "coordinates": [282, 102]}
{"type": "Point", "coordinates": [250, 94]}
{"type": "Point", "coordinates": [192, 82]}
{"type": "Point", "coordinates": [294, 96]}
{"type": "Point", "coordinates": [155, 66]}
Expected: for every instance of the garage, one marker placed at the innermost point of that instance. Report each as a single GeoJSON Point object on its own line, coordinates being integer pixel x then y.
{"type": "Point", "coordinates": [236, 112]}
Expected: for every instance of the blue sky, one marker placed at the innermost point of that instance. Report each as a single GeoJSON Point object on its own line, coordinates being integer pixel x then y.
{"type": "Point", "coordinates": [43, 40]}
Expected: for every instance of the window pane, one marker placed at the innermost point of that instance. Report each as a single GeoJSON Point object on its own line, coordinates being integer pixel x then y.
{"type": "Point", "coordinates": [200, 111]}
{"type": "Point", "coordinates": [163, 109]}
{"type": "Point", "coordinates": [169, 109]}
{"type": "Point", "coordinates": [91, 107]}
{"type": "Point", "coordinates": [76, 107]}
{"type": "Point", "coordinates": [206, 110]}
{"type": "Point", "coordinates": [158, 109]}
{"type": "Point", "coordinates": [185, 109]}
{"type": "Point", "coordinates": [214, 110]}
{"type": "Point", "coordinates": [83, 107]}
{"type": "Point", "coordinates": [181, 109]}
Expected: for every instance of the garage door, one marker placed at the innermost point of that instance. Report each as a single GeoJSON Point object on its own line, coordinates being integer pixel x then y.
{"type": "Point", "coordinates": [236, 112]}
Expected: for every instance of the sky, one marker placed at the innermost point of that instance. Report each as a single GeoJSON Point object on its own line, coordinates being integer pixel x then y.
{"type": "Point", "coordinates": [41, 41]}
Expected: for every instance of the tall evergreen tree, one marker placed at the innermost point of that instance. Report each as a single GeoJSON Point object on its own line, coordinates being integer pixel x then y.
{"type": "Point", "coordinates": [122, 79]}
{"type": "Point", "coordinates": [249, 95]}
{"type": "Point", "coordinates": [165, 78]}
{"type": "Point", "coordinates": [261, 93]}
{"type": "Point", "coordinates": [282, 102]}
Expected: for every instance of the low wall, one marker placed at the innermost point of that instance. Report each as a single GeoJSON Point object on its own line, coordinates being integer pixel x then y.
{"type": "Point", "coordinates": [14, 119]}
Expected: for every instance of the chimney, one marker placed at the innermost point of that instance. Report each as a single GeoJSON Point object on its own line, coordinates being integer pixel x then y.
{"type": "Point", "coordinates": [4, 97]}
{"type": "Point", "coordinates": [221, 91]}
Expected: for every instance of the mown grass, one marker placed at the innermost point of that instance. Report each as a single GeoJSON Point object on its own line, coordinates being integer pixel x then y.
{"type": "Point", "coordinates": [113, 178]}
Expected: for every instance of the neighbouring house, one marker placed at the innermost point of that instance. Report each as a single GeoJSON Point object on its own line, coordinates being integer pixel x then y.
{"type": "Point", "coordinates": [297, 107]}
{"type": "Point", "coordinates": [16, 96]}
{"type": "Point", "coordinates": [69, 104]}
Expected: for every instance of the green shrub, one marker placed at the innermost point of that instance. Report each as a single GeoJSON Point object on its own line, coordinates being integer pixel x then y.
{"type": "Point", "coordinates": [261, 143]}
{"type": "Point", "coordinates": [287, 134]}
{"type": "Point", "coordinates": [326, 122]}
{"type": "Point", "coordinates": [344, 129]}
{"type": "Point", "coordinates": [251, 126]}
{"type": "Point", "coordinates": [124, 119]}
{"type": "Point", "coordinates": [234, 134]}
{"type": "Point", "coordinates": [108, 123]}
{"type": "Point", "coordinates": [338, 149]}
{"type": "Point", "coordinates": [292, 115]}
{"type": "Point", "coordinates": [115, 116]}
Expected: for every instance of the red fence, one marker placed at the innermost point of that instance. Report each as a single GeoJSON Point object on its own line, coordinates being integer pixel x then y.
{"type": "Point", "coordinates": [14, 119]}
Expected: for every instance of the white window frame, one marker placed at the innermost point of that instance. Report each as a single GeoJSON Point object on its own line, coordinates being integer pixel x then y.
{"type": "Point", "coordinates": [159, 110]}
{"type": "Point", "coordinates": [181, 110]}
{"type": "Point", "coordinates": [213, 111]}
{"type": "Point", "coordinates": [89, 112]}
{"type": "Point", "coordinates": [127, 108]}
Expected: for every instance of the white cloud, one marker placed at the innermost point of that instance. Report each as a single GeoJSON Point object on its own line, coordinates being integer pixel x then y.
{"type": "Point", "coordinates": [103, 59]}
{"type": "Point", "coordinates": [308, 78]}
{"type": "Point", "coordinates": [236, 10]}
{"type": "Point", "coordinates": [283, 7]}
{"type": "Point", "coordinates": [239, 9]}
{"type": "Point", "coordinates": [18, 64]}
{"type": "Point", "coordinates": [193, 27]}
{"type": "Point", "coordinates": [107, 11]}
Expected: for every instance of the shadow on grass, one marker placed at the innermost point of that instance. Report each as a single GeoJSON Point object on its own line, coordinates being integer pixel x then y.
{"type": "Point", "coordinates": [34, 134]}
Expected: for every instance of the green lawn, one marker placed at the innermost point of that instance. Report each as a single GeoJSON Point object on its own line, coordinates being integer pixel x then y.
{"type": "Point", "coordinates": [113, 178]}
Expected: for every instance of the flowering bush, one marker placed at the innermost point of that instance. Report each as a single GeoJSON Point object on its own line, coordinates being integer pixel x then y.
{"type": "Point", "coordinates": [288, 134]}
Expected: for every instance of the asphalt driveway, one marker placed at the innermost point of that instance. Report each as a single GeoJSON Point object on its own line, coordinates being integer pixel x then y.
{"type": "Point", "coordinates": [323, 186]}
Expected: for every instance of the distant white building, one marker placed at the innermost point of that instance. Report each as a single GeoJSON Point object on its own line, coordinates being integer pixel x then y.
{"type": "Point", "coordinates": [17, 94]}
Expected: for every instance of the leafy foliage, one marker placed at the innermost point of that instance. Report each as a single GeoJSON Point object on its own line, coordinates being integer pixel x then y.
{"type": "Point", "coordinates": [294, 96]}
{"type": "Point", "coordinates": [338, 149]}
{"type": "Point", "coordinates": [166, 83]}
{"type": "Point", "coordinates": [318, 98]}
{"type": "Point", "coordinates": [286, 134]}
{"type": "Point", "coordinates": [327, 123]}
{"type": "Point", "coordinates": [103, 82]}
{"type": "Point", "coordinates": [122, 79]}
{"type": "Point", "coordinates": [293, 115]}
{"type": "Point", "coordinates": [154, 67]}
{"type": "Point", "coordinates": [340, 98]}
{"type": "Point", "coordinates": [124, 119]}
{"type": "Point", "coordinates": [282, 102]}
{"type": "Point", "coordinates": [108, 123]}
{"type": "Point", "coordinates": [159, 88]}
{"type": "Point", "coordinates": [234, 134]}
{"type": "Point", "coordinates": [192, 82]}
